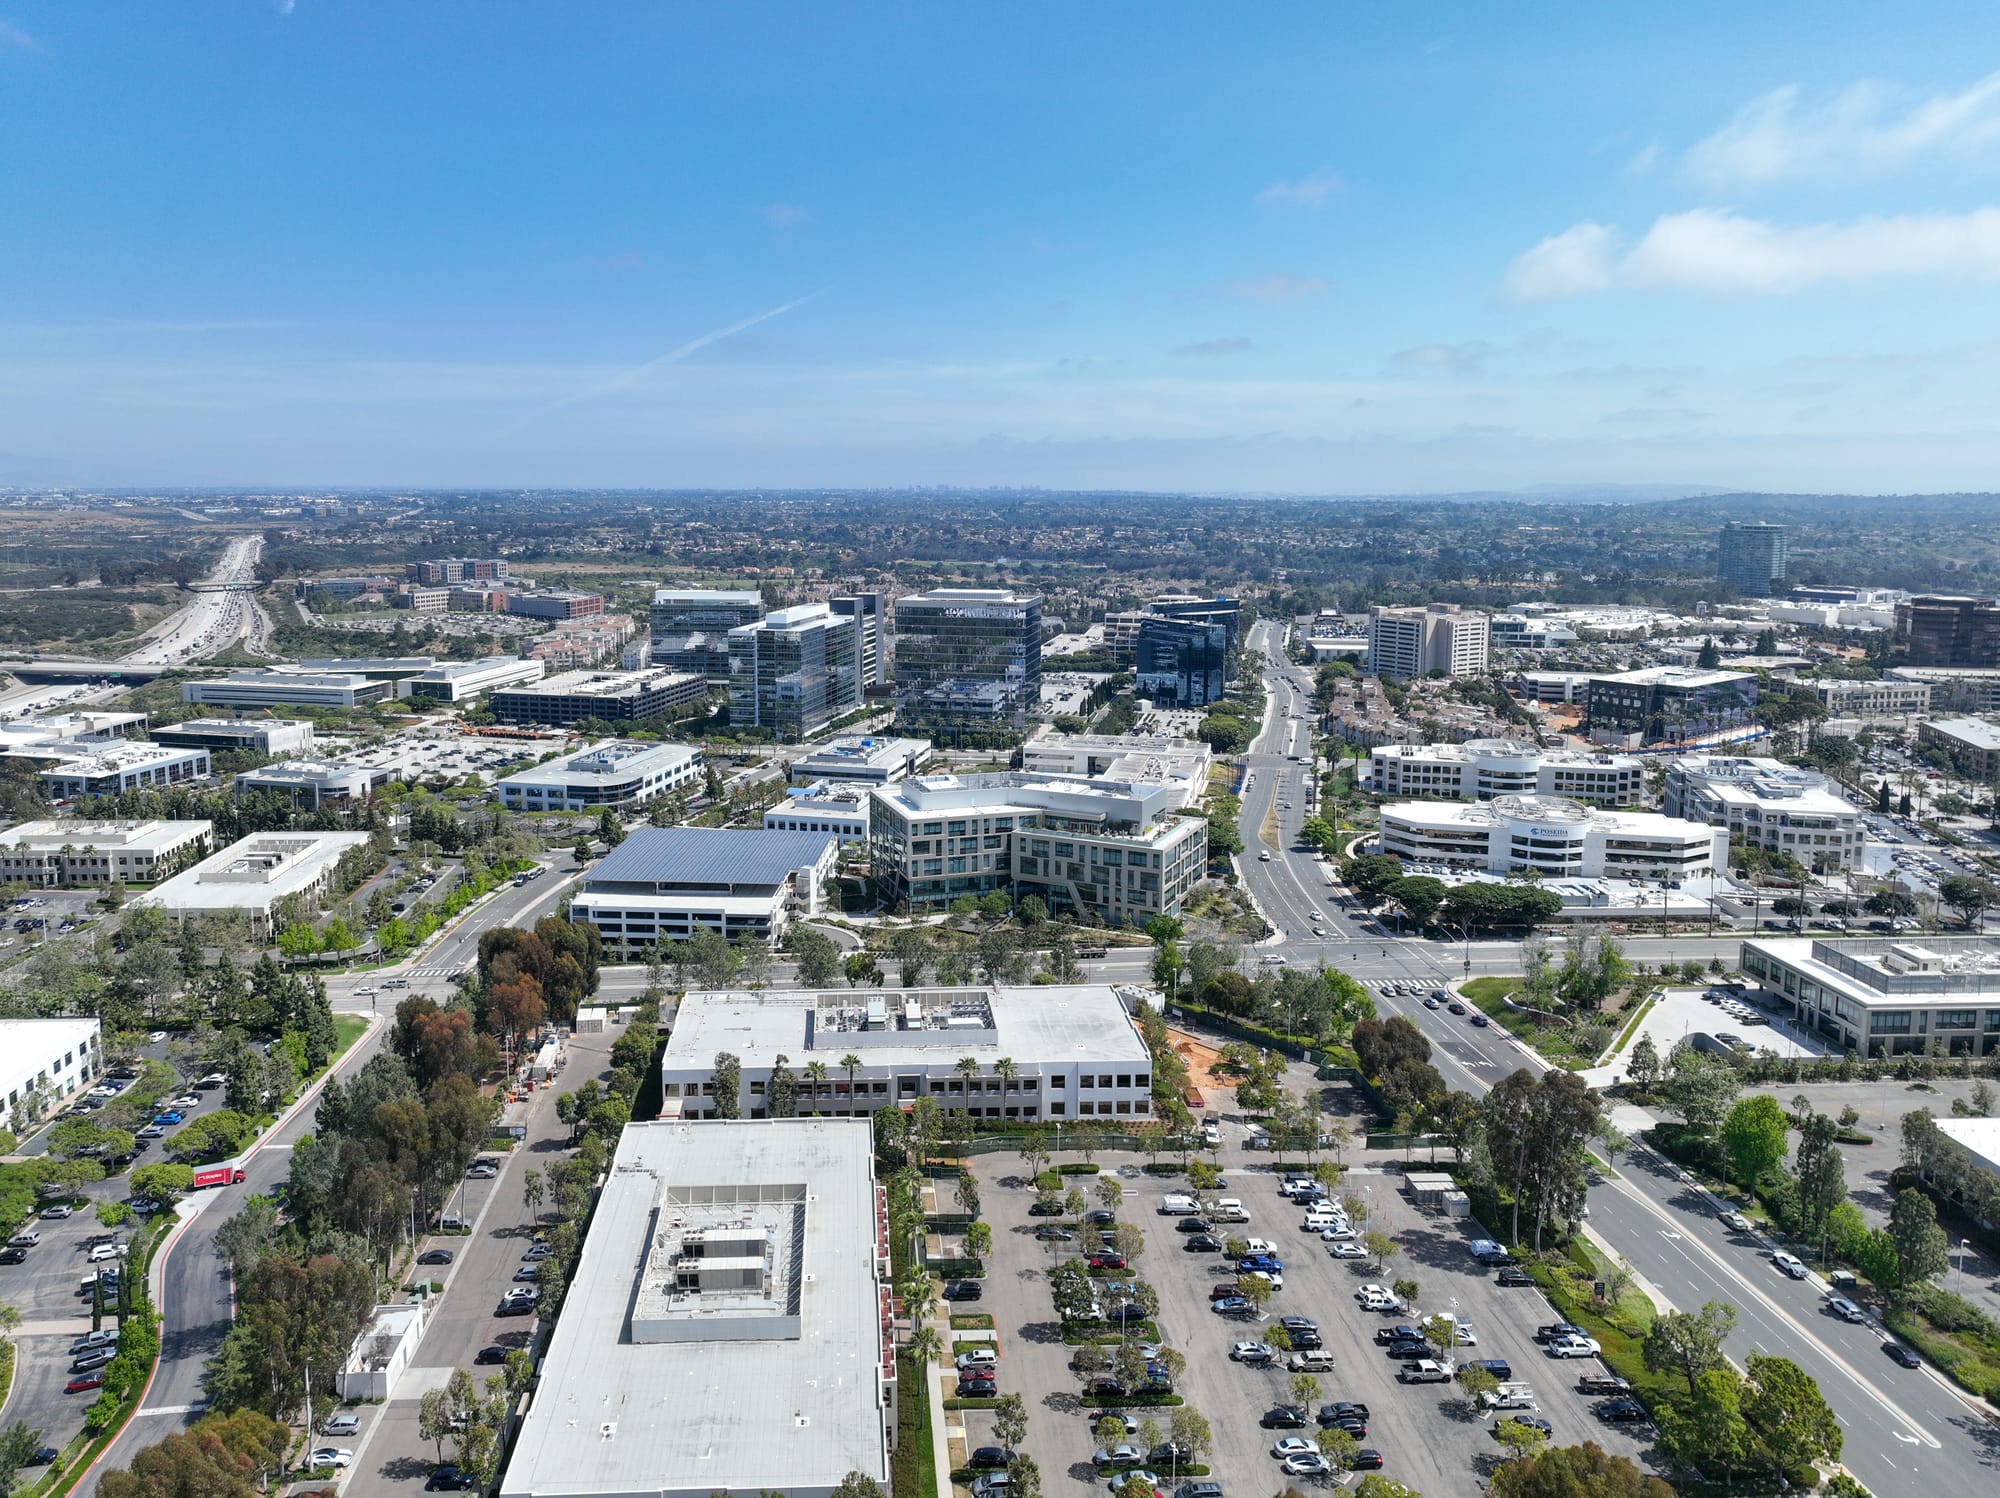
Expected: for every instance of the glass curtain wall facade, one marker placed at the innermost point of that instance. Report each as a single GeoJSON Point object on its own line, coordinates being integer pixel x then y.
{"type": "Point", "coordinates": [968, 655]}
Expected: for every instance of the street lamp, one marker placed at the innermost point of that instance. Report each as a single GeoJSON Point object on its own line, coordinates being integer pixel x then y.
{"type": "Point", "coordinates": [1963, 1245]}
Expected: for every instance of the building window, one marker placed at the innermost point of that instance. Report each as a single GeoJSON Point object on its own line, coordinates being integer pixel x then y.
{"type": "Point", "coordinates": [1055, 1110]}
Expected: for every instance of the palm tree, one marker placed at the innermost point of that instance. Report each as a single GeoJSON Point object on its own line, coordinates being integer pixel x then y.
{"type": "Point", "coordinates": [925, 1345]}
{"type": "Point", "coordinates": [815, 1073]}
{"type": "Point", "coordinates": [967, 1068]}
{"type": "Point", "coordinates": [850, 1063]}
{"type": "Point", "coordinates": [1006, 1071]}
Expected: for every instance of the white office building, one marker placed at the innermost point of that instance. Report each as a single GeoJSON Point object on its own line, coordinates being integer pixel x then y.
{"type": "Point", "coordinates": [1073, 1051]}
{"type": "Point", "coordinates": [865, 759]}
{"type": "Point", "coordinates": [458, 681]}
{"type": "Point", "coordinates": [67, 855]}
{"type": "Point", "coordinates": [730, 1326]}
{"type": "Point", "coordinates": [1873, 699]}
{"type": "Point", "coordinates": [1181, 765]}
{"type": "Point", "coordinates": [662, 884]}
{"type": "Point", "coordinates": [1770, 805]}
{"type": "Point", "coordinates": [258, 874]}
{"type": "Point", "coordinates": [1556, 837]}
{"type": "Point", "coordinates": [319, 782]}
{"type": "Point", "coordinates": [1111, 852]}
{"type": "Point", "coordinates": [239, 735]}
{"type": "Point", "coordinates": [1481, 769]}
{"type": "Point", "coordinates": [256, 690]}
{"type": "Point", "coordinates": [1405, 642]}
{"type": "Point", "coordinates": [1887, 996]}
{"type": "Point", "coordinates": [621, 773]}
{"type": "Point", "coordinates": [43, 1061]}
{"type": "Point", "coordinates": [105, 769]}
{"type": "Point", "coordinates": [24, 737]}
{"type": "Point", "coordinates": [836, 806]}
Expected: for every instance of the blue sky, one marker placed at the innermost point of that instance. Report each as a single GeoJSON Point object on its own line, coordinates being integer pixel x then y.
{"type": "Point", "coordinates": [1305, 248]}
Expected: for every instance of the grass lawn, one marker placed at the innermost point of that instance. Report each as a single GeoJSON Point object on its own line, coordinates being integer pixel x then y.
{"type": "Point", "coordinates": [351, 1027]}
{"type": "Point", "coordinates": [1550, 1042]}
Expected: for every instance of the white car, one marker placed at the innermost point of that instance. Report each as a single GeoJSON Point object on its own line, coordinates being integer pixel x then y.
{"type": "Point", "coordinates": [330, 1456]}
{"type": "Point", "coordinates": [1308, 1464]}
{"type": "Point", "coordinates": [1466, 1336]}
{"type": "Point", "coordinates": [1735, 1221]}
{"type": "Point", "coordinates": [1252, 1352]}
{"type": "Point", "coordinates": [1274, 1278]}
{"type": "Point", "coordinates": [156, 1037]}
{"type": "Point", "coordinates": [1294, 1446]}
{"type": "Point", "coordinates": [1574, 1347]}
{"type": "Point", "coordinates": [1347, 1251]}
{"type": "Point", "coordinates": [1339, 1233]}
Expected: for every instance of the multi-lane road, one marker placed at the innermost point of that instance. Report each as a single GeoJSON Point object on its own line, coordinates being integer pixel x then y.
{"type": "Point", "coordinates": [213, 621]}
{"type": "Point", "coordinates": [1905, 1429]}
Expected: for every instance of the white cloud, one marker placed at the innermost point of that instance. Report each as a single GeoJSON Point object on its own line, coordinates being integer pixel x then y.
{"type": "Point", "coordinates": [1279, 287]}
{"type": "Point", "coordinates": [13, 36]}
{"type": "Point", "coordinates": [1310, 191]}
{"type": "Point", "coordinates": [1644, 159]}
{"type": "Point", "coordinates": [1867, 127]}
{"type": "Point", "coordinates": [1215, 346]}
{"type": "Point", "coordinates": [785, 215]}
{"type": "Point", "coordinates": [1459, 358]}
{"type": "Point", "coordinates": [1567, 264]}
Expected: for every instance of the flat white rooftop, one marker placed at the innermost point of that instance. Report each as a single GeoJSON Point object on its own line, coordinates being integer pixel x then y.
{"type": "Point", "coordinates": [84, 836]}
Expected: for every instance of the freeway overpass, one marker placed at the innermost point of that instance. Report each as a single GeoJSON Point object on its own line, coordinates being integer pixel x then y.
{"type": "Point", "coordinates": [46, 668]}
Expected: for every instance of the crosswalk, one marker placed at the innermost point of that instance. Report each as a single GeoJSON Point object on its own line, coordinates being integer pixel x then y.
{"type": "Point", "coordinates": [431, 972]}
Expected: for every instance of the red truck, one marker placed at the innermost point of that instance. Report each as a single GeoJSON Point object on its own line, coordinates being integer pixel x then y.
{"type": "Point", "coordinates": [220, 1175]}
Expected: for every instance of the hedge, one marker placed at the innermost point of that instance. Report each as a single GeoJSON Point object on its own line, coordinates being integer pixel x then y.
{"type": "Point", "coordinates": [1078, 1168]}
{"type": "Point", "coordinates": [964, 1269]}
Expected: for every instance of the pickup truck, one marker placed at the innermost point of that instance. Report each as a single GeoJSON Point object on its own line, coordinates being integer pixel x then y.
{"type": "Point", "coordinates": [1555, 1329]}
{"type": "Point", "coordinates": [1423, 1371]}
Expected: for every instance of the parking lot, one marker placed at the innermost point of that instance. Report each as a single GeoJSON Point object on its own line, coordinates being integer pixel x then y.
{"type": "Point", "coordinates": [1429, 1436]}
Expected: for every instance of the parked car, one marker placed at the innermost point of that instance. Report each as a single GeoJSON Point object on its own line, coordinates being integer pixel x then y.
{"type": "Point", "coordinates": [963, 1290]}
{"type": "Point", "coordinates": [84, 1382]}
{"type": "Point", "coordinates": [1602, 1383]}
{"type": "Point", "coordinates": [1294, 1446]}
{"type": "Point", "coordinates": [1284, 1417]}
{"type": "Point", "coordinates": [435, 1256]}
{"type": "Point", "coordinates": [1254, 1354]}
{"type": "Point", "coordinates": [58, 1212]}
{"type": "Point", "coordinates": [13, 1256]}
{"type": "Point", "coordinates": [496, 1354]}
{"type": "Point", "coordinates": [340, 1458]}
{"type": "Point", "coordinates": [1533, 1422]}
{"type": "Point", "coordinates": [1513, 1278]}
{"type": "Point", "coordinates": [1623, 1410]}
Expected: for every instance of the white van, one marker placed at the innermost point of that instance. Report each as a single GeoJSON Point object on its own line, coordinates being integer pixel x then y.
{"type": "Point", "coordinates": [1178, 1206]}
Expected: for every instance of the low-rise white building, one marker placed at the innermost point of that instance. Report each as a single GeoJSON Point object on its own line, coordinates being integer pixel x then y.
{"type": "Point", "coordinates": [1071, 1052]}
{"type": "Point", "coordinates": [43, 1061]}
{"type": "Point", "coordinates": [1873, 699]}
{"type": "Point", "coordinates": [866, 759]}
{"type": "Point", "coordinates": [239, 735]}
{"type": "Point", "coordinates": [1770, 805]}
{"type": "Point", "coordinates": [1556, 837]}
{"type": "Point", "coordinates": [23, 737]}
{"type": "Point", "coordinates": [52, 855]}
{"type": "Point", "coordinates": [456, 681]}
{"type": "Point", "coordinates": [382, 1353]}
{"type": "Point", "coordinates": [258, 874]}
{"type": "Point", "coordinates": [839, 807]}
{"type": "Point", "coordinates": [108, 768]}
{"type": "Point", "coordinates": [318, 782]}
{"type": "Point", "coordinates": [623, 772]}
{"type": "Point", "coordinates": [261, 689]}
{"type": "Point", "coordinates": [1181, 765]}
{"type": "Point", "coordinates": [662, 884]}
{"type": "Point", "coordinates": [1887, 996]}
{"type": "Point", "coordinates": [1481, 769]}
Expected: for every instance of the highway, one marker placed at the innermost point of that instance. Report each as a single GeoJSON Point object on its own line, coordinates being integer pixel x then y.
{"type": "Point", "coordinates": [213, 621]}
{"type": "Point", "coordinates": [1904, 1428]}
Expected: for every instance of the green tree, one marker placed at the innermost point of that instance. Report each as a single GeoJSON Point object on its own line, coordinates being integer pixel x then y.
{"type": "Point", "coordinates": [1586, 1471]}
{"type": "Point", "coordinates": [817, 958]}
{"type": "Point", "coordinates": [1707, 1432]}
{"type": "Point", "coordinates": [1689, 1343]}
{"type": "Point", "coordinates": [1520, 1440]}
{"type": "Point", "coordinates": [1969, 895]}
{"type": "Point", "coordinates": [1922, 1250]}
{"type": "Point", "coordinates": [1754, 1137]}
{"type": "Point", "coordinates": [728, 1085]}
{"type": "Point", "coordinates": [1784, 1406]}
{"type": "Point", "coordinates": [1819, 1175]}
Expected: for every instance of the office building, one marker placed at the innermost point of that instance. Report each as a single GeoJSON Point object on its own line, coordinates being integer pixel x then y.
{"type": "Point", "coordinates": [870, 613]}
{"type": "Point", "coordinates": [1406, 642]}
{"type": "Point", "coordinates": [794, 671]}
{"type": "Point", "coordinates": [318, 782]}
{"type": "Point", "coordinates": [459, 681]}
{"type": "Point", "coordinates": [1180, 765]}
{"type": "Point", "coordinates": [24, 736]}
{"type": "Point", "coordinates": [1667, 704]}
{"type": "Point", "coordinates": [574, 644]}
{"type": "Point", "coordinates": [400, 669]}
{"type": "Point", "coordinates": [1752, 557]}
{"type": "Point", "coordinates": [1226, 612]}
{"type": "Point", "coordinates": [1770, 805]}
{"type": "Point", "coordinates": [43, 1061]}
{"type": "Point", "coordinates": [1182, 662]}
{"type": "Point", "coordinates": [602, 696]}
{"type": "Point", "coordinates": [1886, 996]}
{"type": "Point", "coordinates": [690, 627]}
{"type": "Point", "coordinates": [1121, 634]}
{"type": "Point", "coordinates": [1109, 852]}
{"type": "Point", "coordinates": [1481, 769]}
{"type": "Point", "coordinates": [257, 875]}
{"type": "Point", "coordinates": [968, 656]}
{"type": "Point", "coordinates": [239, 735]}
{"type": "Point", "coordinates": [477, 600]}
{"type": "Point", "coordinates": [552, 603]}
{"type": "Point", "coordinates": [730, 1326]}
{"type": "Point", "coordinates": [662, 884]}
{"type": "Point", "coordinates": [256, 691]}
{"type": "Point", "coordinates": [1938, 630]}
{"type": "Point", "coordinates": [1074, 1049]}
{"type": "Point", "coordinates": [867, 759]}
{"type": "Point", "coordinates": [419, 599]}
{"type": "Point", "coordinates": [457, 570]}
{"type": "Point", "coordinates": [1972, 743]}
{"type": "Point", "coordinates": [68, 855]}
{"type": "Point", "coordinates": [622, 773]}
{"type": "Point", "coordinates": [1556, 837]}
{"type": "Point", "coordinates": [106, 768]}
{"type": "Point", "coordinates": [1519, 632]}
{"type": "Point", "coordinates": [1965, 689]}
{"type": "Point", "coordinates": [1873, 699]}
{"type": "Point", "coordinates": [836, 806]}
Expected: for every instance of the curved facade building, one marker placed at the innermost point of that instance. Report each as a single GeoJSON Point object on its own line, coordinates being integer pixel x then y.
{"type": "Point", "coordinates": [1554, 836]}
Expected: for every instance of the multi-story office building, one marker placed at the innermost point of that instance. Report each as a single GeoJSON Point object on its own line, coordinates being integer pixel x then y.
{"type": "Point", "coordinates": [256, 690]}
{"type": "Point", "coordinates": [1121, 634]}
{"type": "Point", "coordinates": [1074, 1050]}
{"type": "Point", "coordinates": [457, 681]}
{"type": "Point", "coordinates": [968, 655]}
{"type": "Point", "coordinates": [1752, 556]}
{"type": "Point", "coordinates": [1481, 769]}
{"type": "Point", "coordinates": [1405, 642]}
{"type": "Point", "coordinates": [1887, 996]}
{"type": "Point", "coordinates": [457, 570]}
{"type": "Point", "coordinates": [422, 599]}
{"type": "Point", "coordinates": [606, 696]}
{"type": "Point", "coordinates": [318, 782]}
{"type": "Point", "coordinates": [1180, 765]}
{"type": "Point", "coordinates": [691, 627]}
{"type": "Point", "coordinates": [1770, 805]}
{"type": "Point", "coordinates": [662, 884]}
{"type": "Point", "coordinates": [1972, 743]}
{"type": "Point", "coordinates": [43, 1061]}
{"type": "Point", "coordinates": [1519, 632]}
{"type": "Point", "coordinates": [25, 735]}
{"type": "Point", "coordinates": [794, 671]}
{"type": "Point", "coordinates": [239, 735]}
{"type": "Point", "coordinates": [864, 758]}
{"type": "Point", "coordinates": [836, 806]}
{"type": "Point", "coordinates": [1668, 703]}
{"type": "Point", "coordinates": [731, 1324]}
{"type": "Point", "coordinates": [1182, 662]}
{"type": "Point", "coordinates": [870, 613]}
{"type": "Point", "coordinates": [1555, 837]}
{"type": "Point", "coordinates": [1967, 689]}
{"type": "Point", "coordinates": [554, 604]}
{"type": "Point", "coordinates": [1226, 612]}
{"type": "Point", "coordinates": [53, 855]}
{"type": "Point", "coordinates": [258, 875]}
{"type": "Point", "coordinates": [105, 769]}
{"type": "Point", "coordinates": [622, 773]}
{"type": "Point", "coordinates": [1873, 699]}
{"type": "Point", "coordinates": [1112, 853]}
{"type": "Point", "coordinates": [1946, 631]}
